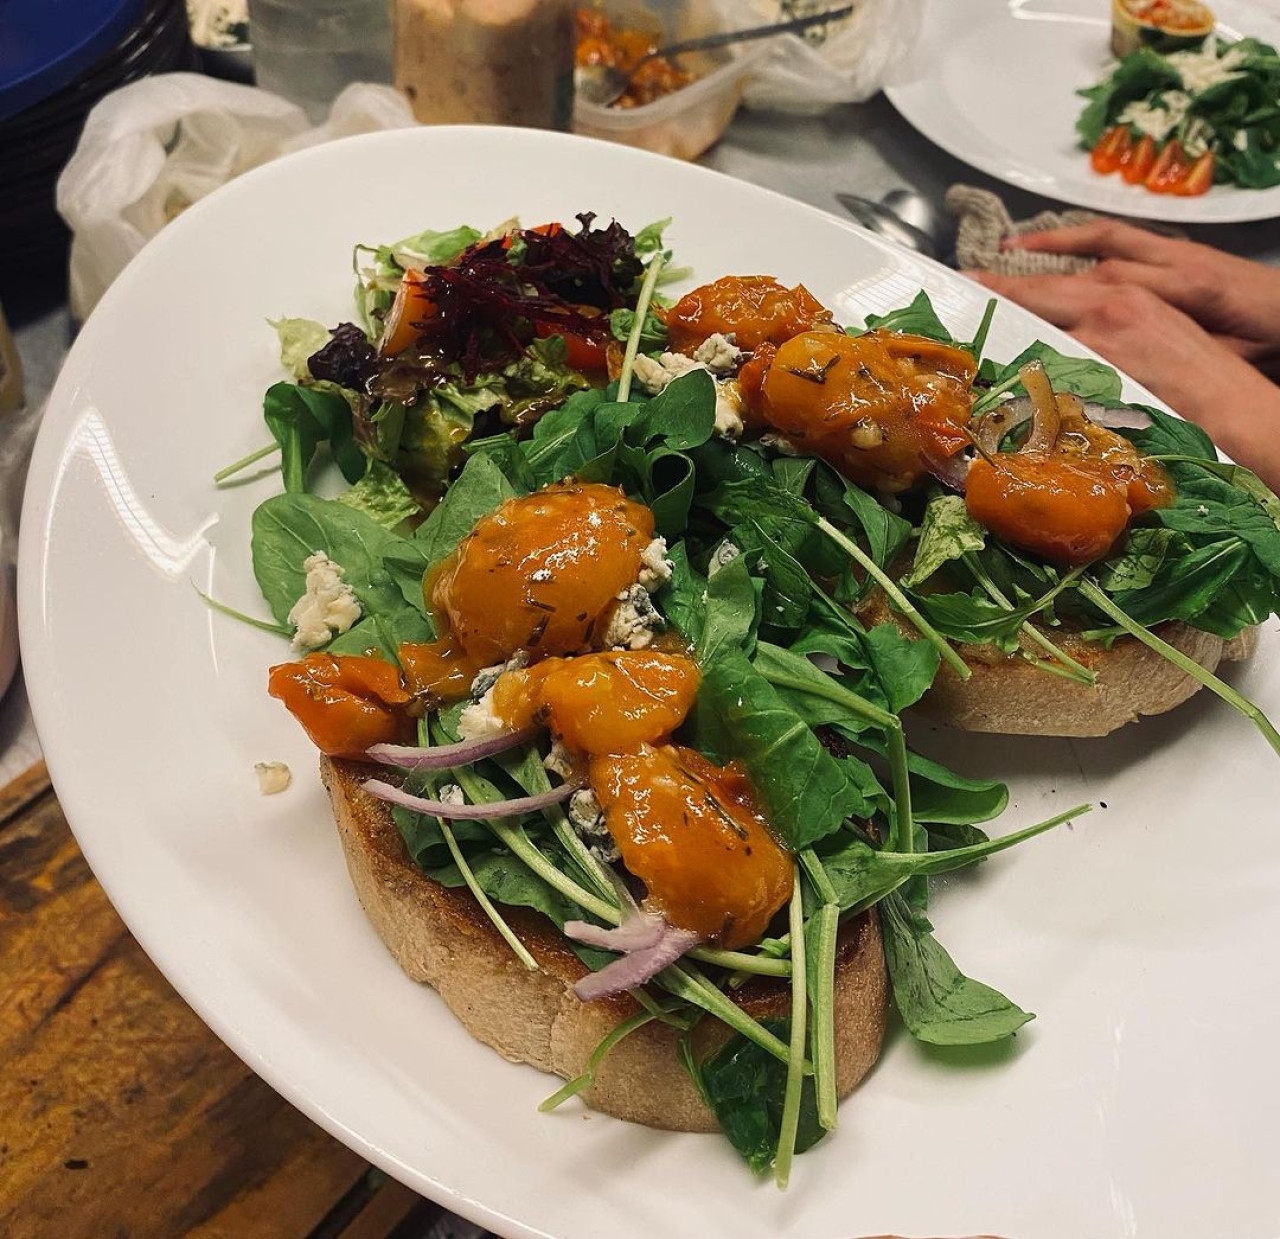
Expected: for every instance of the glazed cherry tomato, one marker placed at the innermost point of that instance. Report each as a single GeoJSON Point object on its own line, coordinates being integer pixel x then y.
{"type": "Point", "coordinates": [692, 833]}
{"type": "Point", "coordinates": [1169, 170]}
{"type": "Point", "coordinates": [346, 703]}
{"type": "Point", "coordinates": [754, 308]}
{"type": "Point", "coordinates": [1108, 155]}
{"type": "Point", "coordinates": [1199, 178]}
{"type": "Point", "coordinates": [1069, 511]}
{"type": "Point", "coordinates": [1136, 165]}
{"type": "Point", "coordinates": [601, 703]}
{"type": "Point", "coordinates": [410, 310]}
{"type": "Point", "coordinates": [584, 353]}
{"type": "Point", "coordinates": [541, 573]}
{"type": "Point", "coordinates": [876, 406]}
{"type": "Point", "coordinates": [751, 380]}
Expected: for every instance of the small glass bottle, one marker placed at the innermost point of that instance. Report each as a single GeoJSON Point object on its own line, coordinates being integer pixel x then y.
{"type": "Point", "coordinates": [497, 62]}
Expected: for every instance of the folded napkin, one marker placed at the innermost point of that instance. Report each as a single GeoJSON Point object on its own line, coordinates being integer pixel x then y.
{"type": "Point", "coordinates": [984, 221]}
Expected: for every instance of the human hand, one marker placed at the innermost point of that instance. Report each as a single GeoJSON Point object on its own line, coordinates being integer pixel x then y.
{"type": "Point", "coordinates": [1236, 300]}
{"type": "Point", "coordinates": [1192, 371]}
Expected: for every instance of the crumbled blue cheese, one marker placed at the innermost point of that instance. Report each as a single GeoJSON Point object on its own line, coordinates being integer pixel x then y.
{"type": "Point", "coordinates": [478, 721]}
{"type": "Point", "coordinates": [655, 373]}
{"type": "Point", "coordinates": [1204, 68]}
{"type": "Point", "coordinates": [1240, 139]}
{"type": "Point", "coordinates": [487, 677]}
{"type": "Point", "coordinates": [451, 793]}
{"type": "Point", "coordinates": [327, 607]}
{"type": "Point", "coordinates": [655, 567]}
{"type": "Point", "coordinates": [719, 354]}
{"type": "Point", "coordinates": [1157, 117]}
{"type": "Point", "coordinates": [558, 760]}
{"type": "Point", "coordinates": [273, 777]}
{"type": "Point", "coordinates": [780, 444]}
{"type": "Point", "coordinates": [724, 554]}
{"type": "Point", "coordinates": [633, 621]}
{"type": "Point", "coordinates": [587, 820]}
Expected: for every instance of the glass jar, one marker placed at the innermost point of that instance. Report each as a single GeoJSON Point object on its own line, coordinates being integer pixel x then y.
{"type": "Point", "coordinates": [497, 62]}
{"type": "Point", "coordinates": [309, 50]}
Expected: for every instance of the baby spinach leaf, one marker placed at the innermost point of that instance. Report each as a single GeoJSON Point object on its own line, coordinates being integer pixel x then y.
{"type": "Point", "coordinates": [480, 488]}
{"type": "Point", "coordinates": [509, 881]}
{"type": "Point", "coordinates": [919, 318]}
{"type": "Point", "coordinates": [745, 1087]}
{"type": "Point", "coordinates": [845, 504]}
{"type": "Point", "coordinates": [682, 415]}
{"type": "Point", "coordinates": [947, 533]}
{"type": "Point", "coordinates": [300, 419]}
{"type": "Point", "coordinates": [941, 797]}
{"type": "Point", "coordinates": [740, 716]}
{"type": "Point", "coordinates": [1170, 436]}
{"type": "Point", "coordinates": [289, 528]}
{"type": "Point", "coordinates": [792, 473]}
{"type": "Point", "coordinates": [683, 599]}
{"type": "Point", "coordinates": [554, 433]}
{"type": "Point", "coordinates": [381, 495]}
{"type": "Point", "coordinates": [1088, 379]}
{"type": "Point", "coordinates": [974, 619]}
{"type": "Point", "coordinates": [383, 634]}
{"type": "Point", "coordinates": [937, 1002]}
{"type": "Point", "coordinates": [731, 615]}
{"type": "Point", "coordinates": [904, 667]}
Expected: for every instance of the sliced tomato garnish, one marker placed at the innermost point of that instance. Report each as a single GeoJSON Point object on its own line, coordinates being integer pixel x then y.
{"type": "Point", "coordinates": [1199, 178]}
{"type": "Point", "coordinates": [1139, 160]}
{"type": "Point", "coordinates": [1111, 149]}
{"type": "Point", "coordinates": [1169, 169]}
{"type": "Point", "coordinates": [411, 309]}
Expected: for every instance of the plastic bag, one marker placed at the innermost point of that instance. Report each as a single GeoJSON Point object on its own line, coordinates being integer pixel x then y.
{"type": "Point", "coordinates": [849, 65]}
{"type": "Point", "coordinates": [152, 148]}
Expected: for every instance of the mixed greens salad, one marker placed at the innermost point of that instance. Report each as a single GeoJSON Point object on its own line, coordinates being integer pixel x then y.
{"type": "Point", "coordinates": [1181, 122]}
{"type": "Point", "coordinates": [770, 553]}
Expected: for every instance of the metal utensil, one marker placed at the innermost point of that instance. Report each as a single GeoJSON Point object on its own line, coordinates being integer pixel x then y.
{"type": "Point", "coordinates": [905, 217]}
{"type": "Point", "coordinates": [603, 85]}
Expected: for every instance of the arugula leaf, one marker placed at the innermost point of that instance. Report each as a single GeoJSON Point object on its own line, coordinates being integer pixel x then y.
{"type": "Point", "coordinates": [1185, 586]}
{"type": "Point", "coordinates": [382, 495]}
{"type": "Point", "coordinates": [946, 533]}
{"type": "Point", "coordinates": [937, 1002]}
{"type": "Point", "coordinates": [740, 716]}
{"type": "Point", "coordinates": [300, 419]}
{"type": "Point", "coordinates": [973, 619]}
{"type": "Point", "coordinates": [289, 528]}
{"type": "Point", "coordinates": [745, 1085]}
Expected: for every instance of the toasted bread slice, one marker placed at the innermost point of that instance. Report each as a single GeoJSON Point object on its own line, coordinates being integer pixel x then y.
{"type": "Point", "coordinates": [442, 936]}
{"type": "Point", "coordinates": [1007, 694]}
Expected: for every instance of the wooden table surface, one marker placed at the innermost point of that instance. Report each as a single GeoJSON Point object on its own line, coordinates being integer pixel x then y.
{"type": "Point", "coordinates": [121, 1114]}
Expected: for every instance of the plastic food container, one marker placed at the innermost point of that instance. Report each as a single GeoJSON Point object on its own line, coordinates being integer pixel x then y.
{"type": "Point", "coordinates": [689, 120]}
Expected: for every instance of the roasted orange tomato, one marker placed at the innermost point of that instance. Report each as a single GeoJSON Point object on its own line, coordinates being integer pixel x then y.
{"type": "Point", "coordinates": [1143, 481]}
{"type": "Point", "coordinates": [409, 312]}
{"type": "Point", "coordinates": [692, 833]}
{"type": "Point", "coordinates": [539, 574]}
{"type": "Point", "coordinates": [345, 703]}
{"type": "Point", "coordinates": [1068, 511]}
{"type": "Point", "coordinates": [601, 703]}
{"type": "Point", "coordinates": [876, 406]}
{"type": "Point", "coordinates": [755, 308]}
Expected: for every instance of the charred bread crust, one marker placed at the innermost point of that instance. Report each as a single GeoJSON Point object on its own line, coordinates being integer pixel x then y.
{"type": "Point", "coordinates": [442, 937]}
{"type": "Point", "coordinates": [1008, 695]}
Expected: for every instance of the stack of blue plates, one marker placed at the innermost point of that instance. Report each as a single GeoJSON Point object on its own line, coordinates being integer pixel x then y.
{"type": "Point", "coordinates": [57, 59]}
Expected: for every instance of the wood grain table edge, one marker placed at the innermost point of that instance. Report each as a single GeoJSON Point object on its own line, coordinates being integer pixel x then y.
{"type": "Point", "coordinates": [120, 1113]}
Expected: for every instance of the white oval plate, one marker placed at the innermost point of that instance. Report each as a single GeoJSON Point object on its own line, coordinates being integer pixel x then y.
{"type": "Point", "coordinates": [1146, 937]}
{"type": "Point", "coordinates": [993, 82]}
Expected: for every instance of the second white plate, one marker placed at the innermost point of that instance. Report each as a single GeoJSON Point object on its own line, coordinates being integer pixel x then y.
{"type": "Point", "coordinates": [994, 82]}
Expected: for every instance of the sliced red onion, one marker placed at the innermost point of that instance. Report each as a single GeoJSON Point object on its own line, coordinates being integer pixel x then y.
{"type": "Point", "coordinates": [1046, 418]}
{"type": "Point", "coordinates": [446, 756]}
{"type": "Point", "coordinates": [990, 429]}
{"type": "Point", "coordinates": [951, 471]}
{"type": "Point", "coordinates": [638, 932]}
{"type": "Point", "coordinates": [639, 963]}
{"type": "Point", "coordinates": [471, 812]}
{"type": "Point", "coordinates": [1117, 419]}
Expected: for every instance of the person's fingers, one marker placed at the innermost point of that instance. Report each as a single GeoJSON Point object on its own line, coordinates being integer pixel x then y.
{"type": "Point", "coordinates": [1062, 299]}
{"type": "Point", "coordinates": [1100, 238]}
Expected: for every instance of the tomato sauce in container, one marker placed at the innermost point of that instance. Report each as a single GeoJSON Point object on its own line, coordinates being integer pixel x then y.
{"type": "Point", "coordinates": [499, 62]}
